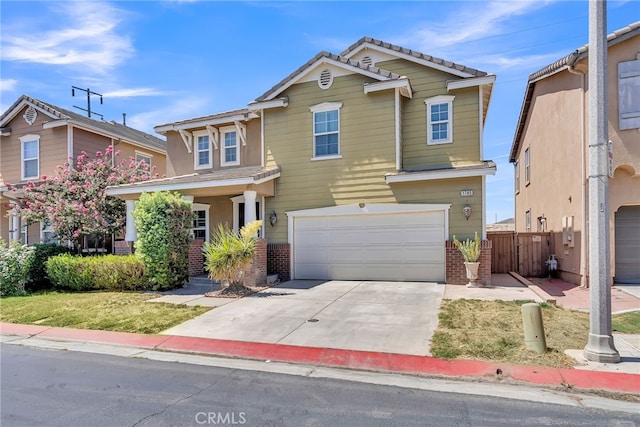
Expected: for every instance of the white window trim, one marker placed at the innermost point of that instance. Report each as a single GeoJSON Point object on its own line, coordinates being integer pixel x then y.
{"type": "Point", "coordinates": [516, 167]}
{"type": "Point", "coordinates": [196, 151]}
{"type": "Point", "coordinates": [440, 99]}
{"type": "Point", "coordinates": [223, 149]}
{"type": "Point", "coordinates": [321, 108]}
{"type": "Point", "coordinates": [203, 207]}
{"type": "Point", "coordinates": [23, 139]}
{"type": "Point", "coordinates": [47, 229]}
{"type": "Point", "coordinates": [143, 154]}
{"type": "Point", "coordinates": [527, 220]}
{"type": "Point", "coordinates": [527, 166]}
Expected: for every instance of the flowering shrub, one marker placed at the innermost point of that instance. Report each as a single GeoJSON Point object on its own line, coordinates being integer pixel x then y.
{"type": "Point", "coordinates": [164, 222]}
{"type": "Point", "coordinates": [109, 272]}
{"type": "Point", "coordinates": [15, 263]}
{"type": "Point", "coordinates": [74, 201]}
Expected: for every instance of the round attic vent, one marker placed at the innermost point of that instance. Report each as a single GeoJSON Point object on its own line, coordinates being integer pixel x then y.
{"type": "Point", "coordinates": [326, 78]}
{"type": "Point", "coordinates": [366, 60]}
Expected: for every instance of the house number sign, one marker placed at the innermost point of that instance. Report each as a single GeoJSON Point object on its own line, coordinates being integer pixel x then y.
{"type": "Point", "coordinates": [466, 193]}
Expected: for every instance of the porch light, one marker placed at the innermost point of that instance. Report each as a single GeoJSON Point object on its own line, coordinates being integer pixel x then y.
{"type": "Point", "coordinates": [466, 211]}
{"type": "Point", "coordinates": [273, 218]}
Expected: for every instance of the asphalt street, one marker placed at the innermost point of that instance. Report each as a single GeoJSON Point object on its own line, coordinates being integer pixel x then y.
{"type": "Point", "coordinates": [66, 388]}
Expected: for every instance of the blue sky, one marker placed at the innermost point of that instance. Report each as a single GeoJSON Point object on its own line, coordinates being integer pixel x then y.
{"type": "Point", "coordinates": [162, 61]}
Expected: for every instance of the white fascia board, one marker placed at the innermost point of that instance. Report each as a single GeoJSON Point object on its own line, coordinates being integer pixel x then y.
{"type": "Point", "coordinates": [445, 174]}
{"type": "Point", "coordinates": [326, 60]}
{"type": "Point", "coordinates": [471, 82]}
{"type": "Point", "coordinates": [408, 58]}
{"type": "Point", "coordinates": [403, 84]}
{"type": "Point", "coordinates": [10, 116]}
{"type": "Point", "coordinates": [55, 124]}
{"type": "Point", "coordinates": [369, 209]}
{"type": "Point", "coordinates": [265, 105]}
{"type": "Point", "coordinates": [201, 123]}
{"type": "Point", "coordinates": [189, 185]}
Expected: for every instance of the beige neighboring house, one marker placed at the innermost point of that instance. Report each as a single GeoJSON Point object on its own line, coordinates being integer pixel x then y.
{"type": "Point", "coordinates": [363, 165]}
{"type": "Point", "coordinates": [550, 155]}
{"type": "Point", "coordinates": [37, 136]}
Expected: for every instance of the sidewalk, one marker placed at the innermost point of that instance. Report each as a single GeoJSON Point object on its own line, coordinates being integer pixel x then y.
{"type": "Point", "coordinates": [622, 377]}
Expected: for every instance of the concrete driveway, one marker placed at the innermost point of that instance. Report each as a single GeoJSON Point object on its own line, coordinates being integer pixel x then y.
{"type": "Point", "coordinates": [390, 317]}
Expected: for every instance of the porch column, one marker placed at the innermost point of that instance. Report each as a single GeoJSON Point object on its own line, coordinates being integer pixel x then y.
{"type": "Point", "coordinates": [249, 206]}
{"type": "Point", "coordinates": [131, 234]}
{"type": "Point", "coordinates": [15, 227]}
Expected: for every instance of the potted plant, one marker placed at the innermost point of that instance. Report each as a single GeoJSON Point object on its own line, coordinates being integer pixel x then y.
{"type": "Point", "coordinates": [470, 250]}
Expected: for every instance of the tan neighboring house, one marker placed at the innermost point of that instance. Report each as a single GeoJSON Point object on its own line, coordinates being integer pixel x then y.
{"type": "Point", "coordinates": [363, 165]}
{"type": "Point", "coordinates": [37, 136]}
{"type": "Point", "coordinates": [550, 155]}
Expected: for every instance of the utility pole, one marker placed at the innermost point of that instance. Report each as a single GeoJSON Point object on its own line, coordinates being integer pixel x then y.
{"type": "Point", "coordinates": [89, 93]}
{"type": "Point", "coordinates": [600, 347]}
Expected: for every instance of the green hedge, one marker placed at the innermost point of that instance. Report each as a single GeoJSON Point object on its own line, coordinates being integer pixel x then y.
{"type": "Point", "coordinates": [109, 272]}
{"type": "Point", "coordinates": [38, 279]}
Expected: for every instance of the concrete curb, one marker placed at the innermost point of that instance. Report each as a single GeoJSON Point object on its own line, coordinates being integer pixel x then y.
{"type": "Point", "coordinates": [351, 359]}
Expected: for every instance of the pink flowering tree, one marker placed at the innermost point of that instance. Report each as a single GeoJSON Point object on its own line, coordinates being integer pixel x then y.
{"type": "Point", "coordinates": [74, 200]}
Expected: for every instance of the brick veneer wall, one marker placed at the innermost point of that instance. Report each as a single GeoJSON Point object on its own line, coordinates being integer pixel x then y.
{"type": "Point", "coordinates": [196, 258]}
{"type": "Point", "coordinates": [455, 270]}
{"type": "Point", "coordinates": [120, 247]}
{"type": "Point", "coordinates": [278, 260]}
{"type": "Point", "coordinates": [257, 272]}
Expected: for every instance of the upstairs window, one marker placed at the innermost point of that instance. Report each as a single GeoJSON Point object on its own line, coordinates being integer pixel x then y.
{"type": "Point", "coordinates": [629, 94]}
{"type": "Point", "coordinates": [326, 130]}
{"type": "Point", "coordinates": [202, 152]}
{"type": "Point", "coordinates": [143, 158]}
{"type": "Point", "coordinates": [527, 220]}
{"type": "Point", "coordinates": [230, 153]}
{"type": "Point", "coordinates": [439, 119]}
{"type": "Point", "coordinates": [527, 173]}
{"type": "Point", "coordinates": [30, 156]}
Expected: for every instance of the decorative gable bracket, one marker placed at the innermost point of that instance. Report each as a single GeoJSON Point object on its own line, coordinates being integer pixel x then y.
{"type": "Point", "coordinates": [242, 132]}
{"type": "Point", "coordinates": [213, 135]}
{"type": "Point", "coordinates": [187, 138]}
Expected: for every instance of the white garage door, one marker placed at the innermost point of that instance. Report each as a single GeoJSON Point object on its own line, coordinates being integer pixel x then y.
{"type": "Point", "coordinates": [627, 245]}
{"type": "Point", "coordinates": [375, 242]}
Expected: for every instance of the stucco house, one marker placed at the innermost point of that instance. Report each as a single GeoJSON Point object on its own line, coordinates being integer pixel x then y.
{"type": "Point", "coordinates": [550, 157]}
{"type": "Point", "coordinates": [37, 136]}
{"type": "Point", "coordinates": [363, 165]}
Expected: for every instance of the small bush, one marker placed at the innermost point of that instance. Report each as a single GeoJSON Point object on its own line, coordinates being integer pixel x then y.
{"type": "Point", "coordinates": [109, 272]}
{"type": "Point", "coordinates": [38, 279]}
{"type": "Point", "coordinates": [15, 263]}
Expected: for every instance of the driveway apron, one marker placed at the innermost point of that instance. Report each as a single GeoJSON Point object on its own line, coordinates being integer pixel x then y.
{"type": "Point", "coordinates": [390, 317]}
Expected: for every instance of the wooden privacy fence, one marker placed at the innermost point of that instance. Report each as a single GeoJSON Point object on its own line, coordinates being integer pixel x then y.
{"type": "Point", "coordinates": [524, 253]}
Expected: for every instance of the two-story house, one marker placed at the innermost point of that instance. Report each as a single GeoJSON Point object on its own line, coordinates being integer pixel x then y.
{"type": "Point", "coordinates": [550, 155]}
{"type": "Point", "coordinates": [36, 137]}
{"type": "Point", "coordinates": [363, 165]}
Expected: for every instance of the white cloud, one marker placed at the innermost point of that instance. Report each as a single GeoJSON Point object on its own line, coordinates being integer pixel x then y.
{"type": "Point", "coordinates": [134, 92]}
{"type": "Point", "coordinates": [511, 63]}
{"type": "Point", "coordinates": [86, 36]}
{"type": "Point", "coordinates": [183, 108]}
{"type": "Point", "coordinates": [7, 84]}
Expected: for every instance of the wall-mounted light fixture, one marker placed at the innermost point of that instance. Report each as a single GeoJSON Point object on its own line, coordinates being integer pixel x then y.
{"type": "Point", "coordinates": [273, 218]}
{"type": "Point", "coordinates": [542, 220]}
{"type": "Point", "coordinates": [466, 211]}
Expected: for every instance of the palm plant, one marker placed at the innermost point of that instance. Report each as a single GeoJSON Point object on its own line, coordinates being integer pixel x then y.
{"type": "Point", "coordinates": [228, 255]}
{"type": "Point", "coordinates": [470, 249]}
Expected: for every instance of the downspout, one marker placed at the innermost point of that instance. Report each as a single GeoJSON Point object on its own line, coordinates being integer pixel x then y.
{"type": "Point", "coordinates": [262, 152]}
{"type": "Point", "coordinates": [398, 130]}
{"type": "Point", "coordinates": [584, 241]}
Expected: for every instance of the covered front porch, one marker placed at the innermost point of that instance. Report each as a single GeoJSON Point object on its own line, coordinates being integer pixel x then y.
{"type": "Point", "coordinates": [232, 197]}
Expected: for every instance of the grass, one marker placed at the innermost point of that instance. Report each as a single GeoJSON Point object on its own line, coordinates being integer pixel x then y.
{"type": "Point", "coordinates": [109, 311]}
{"type": "Point", "coordinates": [492, 330]}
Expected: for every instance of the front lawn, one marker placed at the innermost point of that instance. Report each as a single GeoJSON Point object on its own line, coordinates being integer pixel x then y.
{"type": "Point", "coordinates": [492, 330]}
{"type": "Point", "coordinates": [109, 311]}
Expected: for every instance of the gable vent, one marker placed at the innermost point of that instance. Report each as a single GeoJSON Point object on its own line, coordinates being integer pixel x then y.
{"type": "Point", "coordinates": [30, 115]}
{"type": "Point", "coordinates": [326, 78]}
{"type": "Point", "coordinates": [366, 60]}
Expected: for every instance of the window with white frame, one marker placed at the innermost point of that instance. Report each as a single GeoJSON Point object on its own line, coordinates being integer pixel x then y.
{"type": "Point", "coordinates": [527, 173]}
{"type": "Point", "coordinates": [202, 152]}
{"type": "Point", "coordinates": [30, 156]}
{"type": "Point", "coordinates": [24, 231]}
{"type": "Point", "coordinates": [326, 130]}
{"type": "Point", "coordinates": [527, 220]}
{"type": "Point", "coordinates": [143, 157]}
{"type": "Point", "coordinates": [47, 235]}
{"type": "Point", "coordinates": [230, 153]}
{"type": "Point", "coordinates": [200, 228]}
{"type": "Point", "coordinates": [516, 168]}
{"type": "Point", "coordinates": [439, 119]}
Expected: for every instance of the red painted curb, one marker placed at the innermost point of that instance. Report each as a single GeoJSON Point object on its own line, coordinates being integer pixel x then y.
{"type": "Point", "coordinates": [354, 359]}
